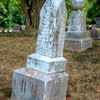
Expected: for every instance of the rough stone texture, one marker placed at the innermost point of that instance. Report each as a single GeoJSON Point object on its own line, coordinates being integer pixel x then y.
{"type": "Point", "coordinates": [77, 21]}
{"type": "Point", "coordinates": [46, 64]}
{"type": "Point", "coordinates": [95, 34]}
{"type": "Point", "coordinates": [98, 22]}
{"type": "Point", "coordinates": [78, 4]}
{"type": "Point", "coordinates": [44, 77]}
{"type": "Point", "coordinates": [77, 36]}
{"type": "Point", "coordinates": [34, 85]}
{"type": "Point", "coordinates": [78, 44]}
{"type": "Point", "coordinates": [50, 40]}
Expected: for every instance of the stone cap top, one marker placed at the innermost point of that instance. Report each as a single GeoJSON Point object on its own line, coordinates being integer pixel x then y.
{"type": "Point", "coordinates": [45, 58]}
{"type": "Point", "coordinates": [78, 4]}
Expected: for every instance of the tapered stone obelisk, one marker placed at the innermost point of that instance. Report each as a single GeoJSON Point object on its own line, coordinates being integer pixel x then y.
{"type": "Point", "coordinates": [77, 38]}
{"type": "Point", "coordinates": [44, 77]}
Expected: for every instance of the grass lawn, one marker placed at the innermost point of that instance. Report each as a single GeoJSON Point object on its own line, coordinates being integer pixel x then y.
{"type": "Point", "coordinates": [83, 68]}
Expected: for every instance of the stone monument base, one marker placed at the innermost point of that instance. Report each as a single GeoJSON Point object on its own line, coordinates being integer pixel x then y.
{"type": "Point", "coordinates": [95, 34]}
{"type": "Point", "coordinates": [77, 35]}
{"type": "Point", "coordinates": [77, 44]}
{"type": "Point", "coordinates": [29, 84]}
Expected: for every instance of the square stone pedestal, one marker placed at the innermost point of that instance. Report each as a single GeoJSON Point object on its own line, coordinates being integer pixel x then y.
{"type": "Point", "coordinates": [29, 84]}
{"type": "Point", "coordinates": [77, 44]}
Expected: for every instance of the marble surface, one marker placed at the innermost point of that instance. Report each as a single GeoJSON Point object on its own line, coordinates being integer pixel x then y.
{"type": "Point", "coordinates": [78, 45]}
{"type": "Point", "coordinates": [77, 35]}
{"type": "Point", "coordinates": [77, 38]}
{"type": "Point", "coordinates": [44, 77]}
{"type": "Point", "coordinates": [95, 34]}
{"type": "Point", "coordinates": [30, 84]}
{"type": "Point", "coordinates": [98, 22]}
{"type": "Point", "coordinates": [46, 64]}
{"type": "Point", "coordinates": [50, 40]}
{"type": "Point", "coordinates": [77, 21]}
{"type": "Point", "coordinates": [78, 4]}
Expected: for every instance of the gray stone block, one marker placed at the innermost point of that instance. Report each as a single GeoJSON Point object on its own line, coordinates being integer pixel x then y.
{"type": "Point", "coordinates": [98, 22]}
{"type": "Point", "coordinates": [16, 31]}
{"type": "Point", "coordinates": [78, 44]}
{"type": "Point", "coordinates": [77, 38]}
{"type": "Point", "coordinates": [77, 34]}
{"type": "Point", "coordinates": [44, 77]}
{"type": "Point", "coordinates": [78, 4]}
{"type": "Point", "coordinates": [50, 41]}
{"type": "Point", "coordinates": [46, 64]}
{"type": "Point", "coordinates": [29, 84]}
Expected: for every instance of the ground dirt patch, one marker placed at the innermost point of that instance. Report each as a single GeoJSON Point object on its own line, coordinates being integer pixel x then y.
{"type": "Point", "coordinates": [83, 68]}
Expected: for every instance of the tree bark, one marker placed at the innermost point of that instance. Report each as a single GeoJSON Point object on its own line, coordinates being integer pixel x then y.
{"type": "Point", "coordinates": [32, 13]}
{"type": "Point", "coordinates": [27, 13]}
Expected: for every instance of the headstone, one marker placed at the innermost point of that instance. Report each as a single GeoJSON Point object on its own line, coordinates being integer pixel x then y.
{"type": "Point", "coordinates": [16, 29]}
{"type": "Point", "coordinates": [44, 77]}
{"type": "Point", "coordinates": [77, 38]}
{"type": "Point", "coordinates": [98, 22]}
{"type": "Point", "coordinates": [95, 34]}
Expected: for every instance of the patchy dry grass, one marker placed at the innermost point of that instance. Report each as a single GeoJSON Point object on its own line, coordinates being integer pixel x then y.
{"type": "Point", "coordinates": [83, 68]}
{"type": "Point", "coordinates": [84, 71]}
{"type": "Point", "coordinates": [13, 53]}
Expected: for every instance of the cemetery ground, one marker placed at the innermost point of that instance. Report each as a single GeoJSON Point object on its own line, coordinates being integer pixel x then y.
{"type": "Point", "coordinates": [83, 68]}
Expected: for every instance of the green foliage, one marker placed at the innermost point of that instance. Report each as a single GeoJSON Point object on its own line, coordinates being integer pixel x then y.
{"type": "Point", "coordinates": [93, 11]}
{"type": "Point", "coordinates": [11, 13]}
{"type": "Point", "coordinates": [3, 15]}
{"type": "Point", "coordinates": [68, 5]}
{"type": "Point", "coordinates": [16, 15]}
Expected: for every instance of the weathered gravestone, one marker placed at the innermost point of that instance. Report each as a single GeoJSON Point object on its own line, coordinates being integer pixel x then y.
{"type": "Point", "coordinates": [98, 22]}
{"type": "Point", "coordinates": [77, 38]}
{"type": "Point", "coordinates": [44, 77]}
{"type": "Point", "coordinates": [96, 32]}
{"type": "Point", "coordinates": [16, 29]}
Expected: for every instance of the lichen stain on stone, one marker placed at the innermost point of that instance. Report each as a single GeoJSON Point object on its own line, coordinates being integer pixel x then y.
{"type": "Point", "coordinates": [36, 90]}
{"type": "Point", "coordinates": [36, 62]}
{"type": "Point", "coordinates": [22, 84]}
{"type": "Point", "coordinates": [24, 87]}
{"type": "Point", "coordinates": [14, 81]}
{"type": "Point", "coordinates": [32, 87]}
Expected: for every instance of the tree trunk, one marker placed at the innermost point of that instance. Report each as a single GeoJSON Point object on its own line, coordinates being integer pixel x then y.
{"type": "Point", "coordinates": [27, 13]}
{"type": "Point", "coordinates": [32, 13]}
